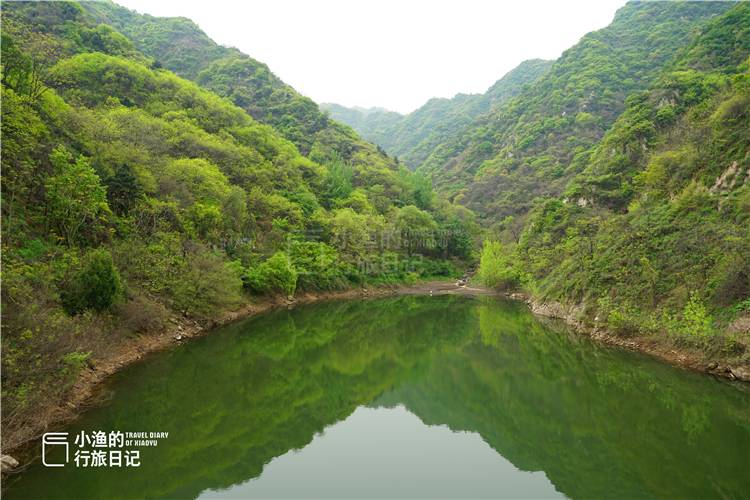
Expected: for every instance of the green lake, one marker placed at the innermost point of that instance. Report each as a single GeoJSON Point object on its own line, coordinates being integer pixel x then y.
{"type": "Point", "coordinates": [409, 397]}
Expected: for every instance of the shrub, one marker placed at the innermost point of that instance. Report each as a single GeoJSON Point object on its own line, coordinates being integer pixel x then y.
{"type": "Point", "coordinates": [206, 283]}
{"type": "Point", "coordinates": [32, 250]}
{"type": "Point", "coordinates": [76, 199]}
{"type": "Point", "coordinates": [275, 275]}
{"type": "Point", "coordinates": [696, 321]}
{"type": "Point", "coordinates": [317, 266]}
{"type": "Point", "coordinates": [95, 286]}
{"type": "Point", "coordinates": [496, 268]}
{"type": "Point", "coordinates": [623, 321]}
{"type": "Point", "coordinates": [74, 362]}
{"type": "Point", "coordinates": [142, 315]}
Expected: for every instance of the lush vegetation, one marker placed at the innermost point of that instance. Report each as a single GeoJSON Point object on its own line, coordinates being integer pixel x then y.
{"type": "Point", "coordinates": [179, 45]}
{"type": "Point", "coordinates": [536, 142]}
{"type": "Point", "coordinates": [131, 194]}
{"type": "Point", "coordinates": [497, 268]}
{"type": "Point", "coordinates": [616, 178]}
{"type": "Point", "coordinates": [413, 138]}
{"type": "Point", "coordinates": [652, 234]}
{"type": "Point", "coordinates": [150, 173]}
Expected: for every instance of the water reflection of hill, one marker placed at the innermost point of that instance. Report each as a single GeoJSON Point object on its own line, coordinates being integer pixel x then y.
{"type": "Point", "coordinates": [598, 422]}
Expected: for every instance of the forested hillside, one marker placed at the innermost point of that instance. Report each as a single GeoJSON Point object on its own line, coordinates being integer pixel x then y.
{"type": "Point", "coordinates": [412, 138]}
{"type": "Point", "coordinates": [535, 143]}
{"type": "Point", "coordinates": [131, 195]}
{"type": "Point", "coordinates": [180, 46]}
{"type": "Point", "coordinates": [374, 124]}
{"type": "Point", "coordinates": [616, 180]}
{"type": "Point", "coordinates": [652, 234]}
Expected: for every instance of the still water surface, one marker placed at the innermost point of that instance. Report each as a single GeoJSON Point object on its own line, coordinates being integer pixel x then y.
{"type": "Point", "coordinates": [429, 397]}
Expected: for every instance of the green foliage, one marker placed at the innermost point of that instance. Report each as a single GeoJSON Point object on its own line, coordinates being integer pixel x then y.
{"type": "Point", "coordinates": [416, 229]}
{"type": "Point", "coordinates": [20, 72]}
{"type": "Point", "coordinates": [695, 325]}
{"type": "Point", "coordinates": [33, 250]}
{"type": "Point", "coordinates": [130, 195]}
{"type": "Point", "coordinates": [317, 266]}
{"type": "Point", "coordinates": [559, 118]}
{"type": "Point", "coordinates": [180, 46]}
{"type": "Point", "coordinates": [76, 199]}
{"type": "Point", "coordinates": [338, 181]}
{"type": "Point", "coordinates": [96, 285]}
{"type": "Point", "coordinates": [655, 209]}
{"type": "Point", "coordinates": [74, 362]}
{"type": "Point", "coordinates": [350, 233]}
{"type": "Point", "coordinates": [206, 283]}
{"type": "Point", "coordinates": [274, 275]}
{"type": "Point", "coordinates": [123, 190]}
{"type": "Point", "coordinates": [496, 267]}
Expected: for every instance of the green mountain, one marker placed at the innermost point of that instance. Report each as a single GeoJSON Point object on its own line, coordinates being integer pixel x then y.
{"type": "Point", "coordinates": [535, 143]}
{"type": "Point", "coordinates": [617, 178]}
{"type": "Point", "coordinates": [374, 124]}
{"type": "Point", "coordinates": [179, 45]}
{"type": "Point", "coordinates": [412, 138]}
{"type": "Point", "coordinates": [658, 219]}
{"type": "Point", "coordinates": [131, 194]}
{"type": "Point", "coordinates": [651, 230]}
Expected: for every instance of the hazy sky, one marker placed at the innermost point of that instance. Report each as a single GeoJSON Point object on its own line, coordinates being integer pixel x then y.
{"type": "Point", "coordinates": [391, 53]}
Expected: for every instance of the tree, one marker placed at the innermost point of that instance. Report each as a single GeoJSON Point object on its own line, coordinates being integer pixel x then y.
{"type": "Point", "coordinates": [123, 190]}
{"type": "Point", "coordinates": [317, 265]}
{"type": "Point", "coordinates": [416, 227]}
{"type": "Point", "coordinates": [277, 274]}
{"type": "Point", "coordinates": [20, 72]}
{"type": "Point", "coordinates": [338, 181]}
{"type": "Point", "coordinates": [496, 267]}
{"type": "Point", "coordinates": [95, 286]}
{"type": "Point", "coordinates": [195, 179]}
{"type": "Point", "coordinates": [349, 233]}
{"type": "Point", "coordinates": [206, 284]}
{"type": "Point", "coordinates": [235, 210]}
{"type": "Point", "coordinates": [75, 195]}
{"type": "Point", "coordinates": [421, 188]}
{"type": "Point", "coordinates": [207, 220]}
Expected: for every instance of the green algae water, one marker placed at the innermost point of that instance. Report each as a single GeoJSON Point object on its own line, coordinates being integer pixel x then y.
{"type": "Point", "coordinates": [428, 397]}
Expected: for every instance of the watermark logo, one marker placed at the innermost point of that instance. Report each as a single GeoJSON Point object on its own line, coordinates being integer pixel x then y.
{"type": "Point", "coordinates": [98, 448]}
{"type": "Point", "coordinates": [51, 440]}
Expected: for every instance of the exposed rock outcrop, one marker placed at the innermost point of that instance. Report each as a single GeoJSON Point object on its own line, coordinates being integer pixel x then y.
{"type": "Point", "coordinates": [8, 463]}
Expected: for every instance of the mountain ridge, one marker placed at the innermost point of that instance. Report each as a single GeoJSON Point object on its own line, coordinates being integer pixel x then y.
{"type": "Point", "coordinates": [413, 136]}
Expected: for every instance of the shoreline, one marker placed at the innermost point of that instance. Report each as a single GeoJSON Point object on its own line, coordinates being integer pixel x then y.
{"type": "Point", "coordinates": [90, 381]}
{"type": "Point", "coordinates": [181, 329]}
{"type": "Point", "coordinates": [684, 357]}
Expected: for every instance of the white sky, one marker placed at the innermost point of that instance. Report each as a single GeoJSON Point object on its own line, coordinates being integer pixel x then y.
{"type": "Point", "coordinates": [391, 53]}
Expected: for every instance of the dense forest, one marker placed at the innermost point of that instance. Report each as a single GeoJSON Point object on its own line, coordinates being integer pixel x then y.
{"type": "Point", "coordinates": [617, 180]}
{"type": "Point", "coordinates": [132, 194]}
